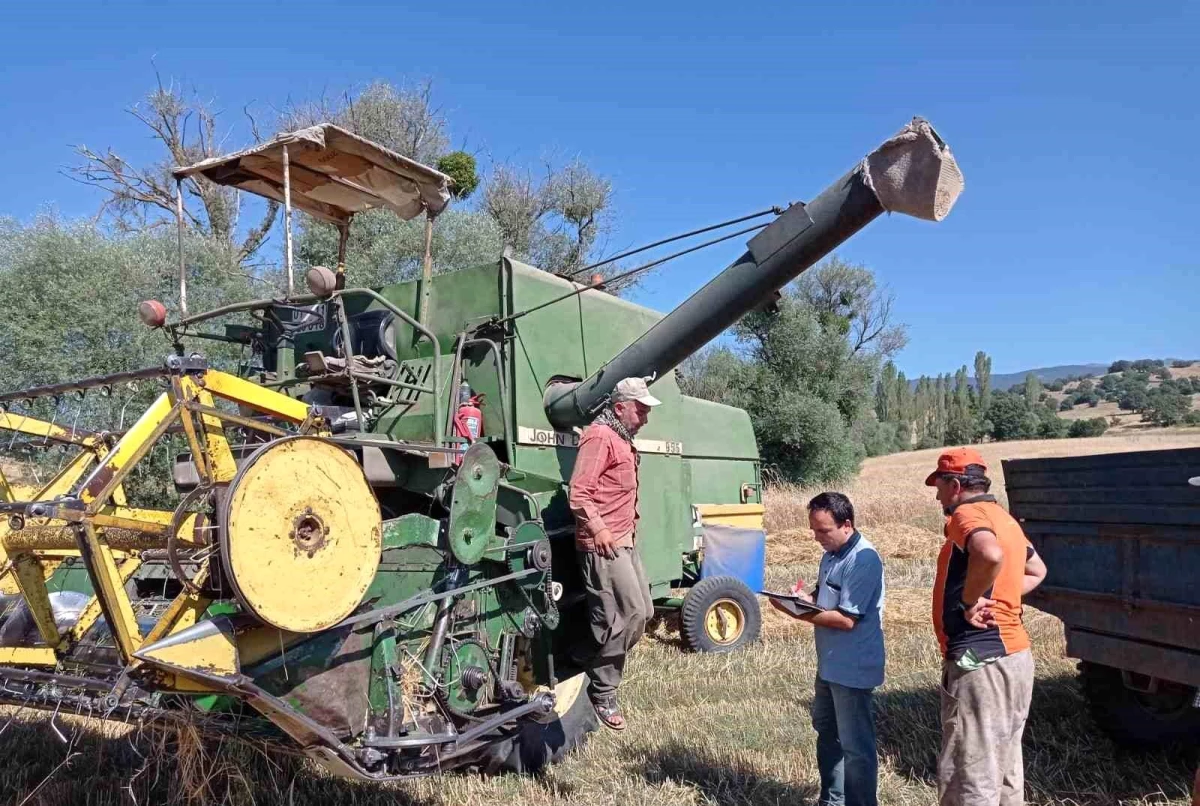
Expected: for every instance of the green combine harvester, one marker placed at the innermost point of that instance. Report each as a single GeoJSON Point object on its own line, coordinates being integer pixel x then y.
{"type": "Point", "coordinates": [368, 556]}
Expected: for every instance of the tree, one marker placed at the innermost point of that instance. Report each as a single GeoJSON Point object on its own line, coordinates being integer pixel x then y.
{"type": "Point", "coordinates": [847, 298]}
{"type": "Point", "coordinates": [808, 392]}
{"type": "Point", "coordinates": [1033, 388]}
{"type": "Point", "coordinates": [1093, 427]}
{"type": "Point", "coordinates": [139, 198]}
{"type": "Point", "coordinates": [1134, 399]}
{"type": "Point", "coordinates": [714, 373]}
{"type": "Point", "coordinates": [960, 428]}
{"type": "Point", "coordinates": [460, 167]}
{"type": "Point", "coordinates": [1067, 403]}
{"type": "Point", "coordinates": [1012, 418]}
{"type": "Point", "coordinates": [1049, 424]}
{"type": "Point", "coordinates": [1167, 408]}
{"type": "Point", "coordinates": [555, 221]}
{"type": "Point", "coordinates": [384, 249]}
{"type": "Point", "coordinates": [887, 397]}
{"type": "Point", "coordinates": [983, 379]}
{"type": "Point", "coordinates": [401, 118]}
{"type": "Point", "coordinates": [71, 291]}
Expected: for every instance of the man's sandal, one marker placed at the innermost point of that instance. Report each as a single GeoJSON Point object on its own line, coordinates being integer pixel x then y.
{"type": "Point", "coordinates": [606, 708]}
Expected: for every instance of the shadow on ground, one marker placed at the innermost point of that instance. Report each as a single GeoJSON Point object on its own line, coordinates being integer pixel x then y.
{"type": "Point", "coordinates": [1067, 756]}
{"type": "Point", "coordinates": [721, 780]}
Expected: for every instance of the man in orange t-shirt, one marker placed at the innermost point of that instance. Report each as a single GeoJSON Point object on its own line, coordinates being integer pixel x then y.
{"type": "Point", "coordinates": [985, 566]}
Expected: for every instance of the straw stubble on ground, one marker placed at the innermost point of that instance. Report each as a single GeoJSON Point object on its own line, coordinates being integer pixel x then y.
{"type": "Point", "coordinates": [704, 729]}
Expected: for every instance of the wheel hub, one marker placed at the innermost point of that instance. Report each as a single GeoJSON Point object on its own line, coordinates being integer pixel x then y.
{"type": "Point", "coordinates": [725, 621]}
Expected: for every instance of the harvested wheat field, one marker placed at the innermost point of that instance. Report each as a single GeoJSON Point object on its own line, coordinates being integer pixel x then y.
{"type": "Point", "coordinates": [704, 729]}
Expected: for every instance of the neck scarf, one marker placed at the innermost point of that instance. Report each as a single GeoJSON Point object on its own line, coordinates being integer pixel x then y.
{"type": "Point", "coordinates": [609, 417]}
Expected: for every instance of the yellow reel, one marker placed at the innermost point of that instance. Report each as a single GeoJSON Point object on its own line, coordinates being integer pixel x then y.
{"type": "Point", "coordinates": [301, 534]}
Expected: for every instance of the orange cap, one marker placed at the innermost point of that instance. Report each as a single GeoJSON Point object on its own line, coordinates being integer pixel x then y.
{"type": "Point", "coordinates": [958, 462]}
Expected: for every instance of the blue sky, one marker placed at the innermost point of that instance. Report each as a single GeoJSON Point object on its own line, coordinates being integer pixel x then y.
{"type": "Point", "coordinates": [1077, 131]}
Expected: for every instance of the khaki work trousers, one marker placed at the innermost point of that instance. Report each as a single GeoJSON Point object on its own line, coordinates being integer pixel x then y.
{"type": "Point", "coordinates": [619, 605]}
{"type": "Point", "coordinates": [983, 718]}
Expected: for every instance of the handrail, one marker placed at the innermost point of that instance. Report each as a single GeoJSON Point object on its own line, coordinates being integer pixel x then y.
{"type": "Point", "coordinates": [307, 299]}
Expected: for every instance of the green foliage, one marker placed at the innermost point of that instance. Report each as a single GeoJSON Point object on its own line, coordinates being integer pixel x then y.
{"type": "Point", "coordinates": [882, 438]}
{"type": "Point", "coordinates": [1134, 400]}
{"type": "Point", "coordinates": [983, 379]}
{"type": "Point", "coordinates": [1067, 403]}
{"type": "Point", "coordinates": [713, 374]}
{"type": "Point", "coordinates": [1033, 389]}
{"type": "Point", "coordinates": [1012, 418]}
{"type": "Point", "coordinates": [809, 393]}
{"type": "Point", "coordinates": [383, 249]}
{"type": "Point", "coordinates": [1167, 408]}
{"type": "Point", "coordinates": [1094, 427]}
{"type": "Point", "coordinates": [1049, 424]}
{"type": "Point", "coordinates": [1181, 363]}
{"type": "Point", "coordinates": [71, 293]}
{"type": "Point", "coordinates": [460, 167]}
{"type": "Point", "coordinates": [1192, 418]}
{"type": "Point", "coordinates": [1141, 365]}
{"type": "Point", "coordinates": [1054, 386]}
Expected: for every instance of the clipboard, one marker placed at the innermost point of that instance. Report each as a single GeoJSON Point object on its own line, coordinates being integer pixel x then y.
{"type": "Point", "coordinates": [793, 604]}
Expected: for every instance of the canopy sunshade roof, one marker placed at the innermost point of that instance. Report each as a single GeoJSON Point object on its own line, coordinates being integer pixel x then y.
{"type": "Point", "coordinates": [333, 174]}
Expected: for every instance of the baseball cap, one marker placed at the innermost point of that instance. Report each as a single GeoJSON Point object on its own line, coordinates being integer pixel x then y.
{"type": "Point", "coordinates": [958, 462]}
{"type": "Point", "coordinates": [634, 389]}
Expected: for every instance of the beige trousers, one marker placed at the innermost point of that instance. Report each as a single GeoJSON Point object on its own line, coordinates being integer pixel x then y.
{"type": "Point", "coordinates": [983, 719]}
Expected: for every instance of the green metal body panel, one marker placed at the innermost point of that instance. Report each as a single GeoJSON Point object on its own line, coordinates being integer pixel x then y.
{"type": "Point", "coordinates": [692, 451]}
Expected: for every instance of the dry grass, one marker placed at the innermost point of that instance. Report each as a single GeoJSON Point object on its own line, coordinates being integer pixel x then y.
{"type": "Point", "coordinates": [732, 730]}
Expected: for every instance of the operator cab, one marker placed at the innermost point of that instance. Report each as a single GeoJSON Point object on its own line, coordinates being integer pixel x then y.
{"type": "Point", "coordinates": [332, 175]}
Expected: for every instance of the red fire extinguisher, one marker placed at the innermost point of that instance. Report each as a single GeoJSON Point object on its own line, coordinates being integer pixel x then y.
{"type": "Point", "coordinates": [468, 420]}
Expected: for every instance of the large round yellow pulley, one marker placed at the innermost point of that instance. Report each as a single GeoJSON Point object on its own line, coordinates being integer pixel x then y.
{"type": "Point", "coordinates": [300, 534]}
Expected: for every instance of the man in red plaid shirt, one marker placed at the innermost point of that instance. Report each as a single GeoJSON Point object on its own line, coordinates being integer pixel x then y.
{"type": "Point", "coordinates": [603, 498]}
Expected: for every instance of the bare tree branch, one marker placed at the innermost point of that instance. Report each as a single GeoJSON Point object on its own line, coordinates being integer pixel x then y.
{"type": "Point", "coordinates": [144, 197]}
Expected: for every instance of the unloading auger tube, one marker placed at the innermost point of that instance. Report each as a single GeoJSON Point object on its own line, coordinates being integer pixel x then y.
{"type": "Point", "coordinates": [912, 172]}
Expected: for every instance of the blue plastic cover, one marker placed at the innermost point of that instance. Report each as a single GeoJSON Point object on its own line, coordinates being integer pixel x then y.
{"type": "Point", "coordinates": [735, 551]}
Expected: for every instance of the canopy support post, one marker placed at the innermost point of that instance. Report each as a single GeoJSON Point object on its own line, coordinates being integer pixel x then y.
{"type": "Point", "coordinates": [343, 238]}
{"type": "Point", "coordinates": [427, 272]}
{"type": "Point", "coordinates": [287, 222]}
{"type": "Point", "coordinates": [182, 267]}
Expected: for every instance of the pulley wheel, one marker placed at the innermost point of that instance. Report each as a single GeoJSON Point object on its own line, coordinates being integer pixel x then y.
{"type": "Point", "coordinates": [300, 534]}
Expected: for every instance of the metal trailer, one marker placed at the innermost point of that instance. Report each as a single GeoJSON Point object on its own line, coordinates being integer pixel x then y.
{"type": "Point", "coordinates": [1120, 535]}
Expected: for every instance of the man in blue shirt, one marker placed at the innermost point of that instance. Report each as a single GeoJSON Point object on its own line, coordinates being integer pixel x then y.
{"type": "Point", "coordinates": [850, 654]}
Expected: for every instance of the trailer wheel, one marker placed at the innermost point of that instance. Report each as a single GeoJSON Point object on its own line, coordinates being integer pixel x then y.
{"type": "Point", "coordinates": [539, 744]}
{"type": "Point", "coordinates": [1137, 718]}
{"type": "Point", "coordinates": [719, 614]}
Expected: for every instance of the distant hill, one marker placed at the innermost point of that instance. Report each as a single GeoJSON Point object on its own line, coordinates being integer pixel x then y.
{"type": "Point", "coordinates": [1046, 374]}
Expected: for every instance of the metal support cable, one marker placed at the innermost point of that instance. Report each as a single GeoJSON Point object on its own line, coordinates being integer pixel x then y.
{"type": "Point", "coordinates": [673, 238]}
{"type": "Point", "coordinates": [631, 272]}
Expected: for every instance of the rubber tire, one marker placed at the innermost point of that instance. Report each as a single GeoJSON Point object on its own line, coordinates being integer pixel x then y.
{"type": "Point", "coordinates": [1123, 715]}
{"type": "Point", "coordinates": [538, 745]}
{"type": "Point", "coordinates": [702, 596]}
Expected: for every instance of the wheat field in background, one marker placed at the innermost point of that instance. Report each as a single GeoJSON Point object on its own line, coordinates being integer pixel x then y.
{"type": "Point", "coordinates": [730, 730]}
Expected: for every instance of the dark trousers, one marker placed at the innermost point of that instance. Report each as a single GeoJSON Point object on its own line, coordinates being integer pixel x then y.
{"type": "Point", "coordinates": [619, 605]}
{"type": "Point", "coordinates": [844, 719]}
